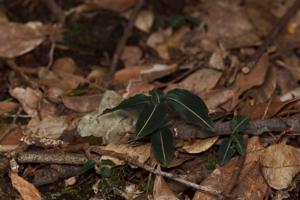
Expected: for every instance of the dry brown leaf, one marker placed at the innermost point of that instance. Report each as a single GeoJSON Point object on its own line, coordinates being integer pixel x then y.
{"type": "Point", "coordinates": [280, 163]}
{"type": "Point", "coordinates": [266, 110]}
{"type": "Point", "coordinates": [201, 81]}
{"type": "Point", "coordinates": [218, 97]}
{"type": "Point", "coordinates": [267, 89]}
{"type": "Point", "coordinates": [250, 184]}
{"type": "Point", "coordinates": [141, 153]}
{"type": "Point", "coordinates": [236, 32]}
{"type": "Point", "coordinates": [64, 65]}
{"type": "Point", "coordinates": [173, 41]}
{"type": "Point", "coordinates": [255, 77]}
{"type": "Point", "coordinates": [145, 20]}
{"type": "Point", "coordinates": [18, 39]}
{"type": "Point", "coordinates": [116, 5]}
{"type": "Point", "coordinates": [86, 103]}
{"type": "Point", "coordinates": [161, 190]}
{"type": "Point", "coordinates": [13, 138]}
{"type": "Point", "coordinates": [48, 127]}
{"type": "Point", "coordinates": [200, 145]}
{"type": "Point", "coordinates": [7, 107]}
{"type": "Point", "coordinates": [143, 73]}
{"type": "Point", "coordinates": [27, 190]}
{"type": "Point", "coordinates": [131, 56]}
{"type": "Point", "coordinates": [29, 99]}
{"type": "Point", "coordinates": [137, 88]}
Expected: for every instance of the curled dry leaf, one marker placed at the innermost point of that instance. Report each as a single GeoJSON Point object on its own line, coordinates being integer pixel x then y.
{"type": "Point", "coordinates": [29, 99]}
{"type": "Point", "coordinates": [27, 190]}
{"type": "Point", "coordinates": [18, 39]}
{"type": "Point", "coordinates": [200, 145]}
{"type": "Point", "coordinates": [280, 163]}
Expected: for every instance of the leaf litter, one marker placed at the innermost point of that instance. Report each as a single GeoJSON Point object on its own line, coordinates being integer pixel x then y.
{"type": "Point", "coordinates": [56, 90]}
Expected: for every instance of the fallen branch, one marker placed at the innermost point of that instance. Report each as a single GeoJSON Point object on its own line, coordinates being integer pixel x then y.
{"type": "Point", "coordinates": [256, 127]}
{"type": "Point", "coordinates": [122, 42]}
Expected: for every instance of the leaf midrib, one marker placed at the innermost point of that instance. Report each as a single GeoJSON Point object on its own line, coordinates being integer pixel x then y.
{"type": "Point", "coordinates": [143, 127]}
{"type": "Point", "coordinates": [208, 125]}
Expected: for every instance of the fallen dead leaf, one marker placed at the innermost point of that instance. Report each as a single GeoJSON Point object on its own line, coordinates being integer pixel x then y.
{"type": "Point", "coordinates": [255, 77]}
{"type": "Point", "coordinates": [145, 20]}
{"type": "Point", "coordinates": [48, 127]}
{"type": "Point", "coordinates": [7, 107]}
{"type": "Point", "coordinates": [218, 97]}
{"type": "Point", "coordinates": [18, 39]}
{"type": "Point", "coordinates": [161, 190]}
{"type": "Point", "coordinates": [280, 163]}
{"type": "Point", "coordinates": [141, 152]}
{"type": "Point", "coordinates": [29, 99]}
{"type": "Point", "coordinates": [86, 103]}
{"type": "Point", "coordinates": [13, 138]}
{"type": "Point", "coordinates": [266, 110]}
{"type": "Point", "coordinates": [250, 183]}
{"type": "Point", "coordinates": [27, 190]}
{"type": "Point", "coordinates": [201, 81]}
{"type": "Point", "coordinates": [131, 56]}
{"type": "Point", "coordinates": [200, 145]}
{"type": "Point", "coordinates": [143, 73]}
{"type": "Point", "coordinates": [64, 65]}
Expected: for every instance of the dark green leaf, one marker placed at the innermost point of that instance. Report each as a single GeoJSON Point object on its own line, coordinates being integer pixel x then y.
{"type": "Point", "coordinates": [151, 118]}
{"type": "Point", "coordinates": [162, 144]}
{"type": "Point", "coordinates": [87, 166]}
{"type": "Point", "coordinates": [240, 144]}
{"type": "Point", "coordinates": [105, 172]}
{"type": "Point", "coordinates": [107, 162]}
{"type": "Point", "coordinates": [238, 124]}
{"type": "Point", "coordinates": [226, 151]}
{"type": "Point", "coordinates": [191, 107]}
{"type": "Point", "coordinates": [136, 101]}
{"type": "Point", "coordinates": [157, 96]}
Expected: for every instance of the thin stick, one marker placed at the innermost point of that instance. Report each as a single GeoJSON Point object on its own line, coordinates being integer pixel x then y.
{"type": "Point", "coordinates": [281, 24]}
{"type": "Point", "coordinates": [122, 42]}
{"type": "Point", "coordinates": [148, 168]}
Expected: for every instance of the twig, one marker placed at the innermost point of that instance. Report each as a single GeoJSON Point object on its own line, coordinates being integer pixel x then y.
{"type": "Point", "coordinates": [148, 168]}
{"type": "Point", "coordinates": [256, 127]}
{"type": "Point", "coordinates": [282, 22]}
{"type": "Point", "coordinates": [51, 157]}
{"type": "Point", "coordinates": [12, 65]}
{"type": "Point", "coordinates": [122, 42]}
